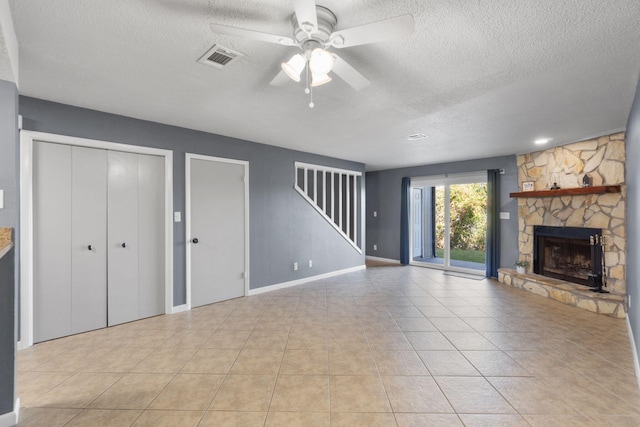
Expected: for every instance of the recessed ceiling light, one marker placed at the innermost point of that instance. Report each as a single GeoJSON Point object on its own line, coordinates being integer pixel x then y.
{"type": "Point", "coordinates": [542, 141]}
{"type": "Point", "coordinates": [417, 136]}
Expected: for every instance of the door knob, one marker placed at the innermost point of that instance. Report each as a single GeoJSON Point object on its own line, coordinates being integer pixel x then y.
{"type": "Point", "coordinates": [90, 247]}
{"type": "Point", "coordinates": [124, 245]}
{"type": "Point", "coordinates": [195, 240]}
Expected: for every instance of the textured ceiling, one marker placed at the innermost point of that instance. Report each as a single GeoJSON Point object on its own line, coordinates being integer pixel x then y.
{"type": "Point", "coordinates": [8, 45]}
{"type": "Point", "coordinates": [481, 78]}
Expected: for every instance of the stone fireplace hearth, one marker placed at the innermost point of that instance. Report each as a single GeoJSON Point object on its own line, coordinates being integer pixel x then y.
{"type": "Point", "coordinates": [603, 161]}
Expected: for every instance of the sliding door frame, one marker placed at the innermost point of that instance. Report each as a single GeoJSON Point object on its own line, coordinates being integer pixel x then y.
{"type": "Point", "coordinates": [444, 180]}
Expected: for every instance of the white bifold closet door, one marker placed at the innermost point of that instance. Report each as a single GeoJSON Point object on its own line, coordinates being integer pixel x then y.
{"type": "Point", "coordinates": [136, 236]}
{"type": "Point", "coordinates": [70, 280]}
{"type": "Point", "coordinates": [88, 239]}
{"type": "Point", "coordinates": [151, 236]}
{"type": "Point", "coordinates": [98, 220]}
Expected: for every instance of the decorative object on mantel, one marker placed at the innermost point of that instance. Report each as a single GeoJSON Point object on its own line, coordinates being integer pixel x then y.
{"type": "Point", "coordinates": [527, 186]}
{"type": "Point", "coordinates": [587, 181]}
{"type": "Point", "coordinates": [555, 178]}
{"type": "Point", "coordinates": [568, 191]}
{"type": "Point", "coordinates": [521, 265]}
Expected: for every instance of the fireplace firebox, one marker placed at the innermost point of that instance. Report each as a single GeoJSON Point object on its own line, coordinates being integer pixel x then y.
{"type": "Point", "coordinates": [573, 254]}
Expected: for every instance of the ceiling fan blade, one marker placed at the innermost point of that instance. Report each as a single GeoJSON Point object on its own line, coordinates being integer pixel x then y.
{"type": "Point", "coordinates": [250, 34]}
{"type": "Point", "coordinates": [306, 15]}
{"type": "Point", "coordinates": [280, 79]}
{"type": "Point", "coordinates": [349, 74]}
{"type": "Point", "coordinates": [389, 29]}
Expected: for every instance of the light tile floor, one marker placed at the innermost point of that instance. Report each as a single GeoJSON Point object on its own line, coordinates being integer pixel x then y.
{"type": "Point", "coordinates": [389, 346]}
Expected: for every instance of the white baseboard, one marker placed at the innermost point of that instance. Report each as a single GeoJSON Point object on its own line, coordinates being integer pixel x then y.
{"type": "Point", "coordinates": [179, 309]}
{"type": "Point", "coordinates": [305, 280]}
{"type": "Point", "coordinates": [634, 350]}
{"type": "Point", "coordinates": [389, 260]}
{"type": "Point", "coordinates": [10, 419]}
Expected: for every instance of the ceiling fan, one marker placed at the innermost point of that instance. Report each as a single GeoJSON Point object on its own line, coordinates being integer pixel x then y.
{"type": "Point", "coordinates": [314, 33]}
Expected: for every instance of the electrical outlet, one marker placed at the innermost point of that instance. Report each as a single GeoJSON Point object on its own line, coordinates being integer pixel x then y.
{"type": "Point", "coordinates": [375, 214]}
{"type": "Point", "coordinates": [310, 263]}
{"type": "Point", "coordinates": [295, 266]}
{"type": "Point", "coordinates": [375, 247]}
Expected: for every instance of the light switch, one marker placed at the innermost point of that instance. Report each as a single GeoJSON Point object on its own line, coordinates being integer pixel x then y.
{"type": "Point", "coordinates": [177, 216]}
{"type": "Point", "coordinates": [375, 214]}
{"type": "Point", "coordinates": [1, 199]}
{"type": "Point", "coordinates": [505, 215]}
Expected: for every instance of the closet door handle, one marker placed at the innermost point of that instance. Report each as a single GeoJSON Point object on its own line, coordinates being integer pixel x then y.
{"type": "Point", "coordinates": [124, 245]}
{"type": "Point", "coordinates": [90, 247]}
{"type": "Point", "coordinates": [195, 240]}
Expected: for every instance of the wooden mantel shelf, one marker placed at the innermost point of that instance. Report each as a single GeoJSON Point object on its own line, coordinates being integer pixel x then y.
{"type": "Point", "coordinates": [568, 191]}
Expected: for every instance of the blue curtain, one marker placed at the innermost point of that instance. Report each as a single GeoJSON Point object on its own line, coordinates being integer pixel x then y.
{"type": "Point", "coordinates": [432, 203]}
{"type": "Point", "coordinates": [493, 229]}
{"type": "Point", "coordinates": [405, 210]}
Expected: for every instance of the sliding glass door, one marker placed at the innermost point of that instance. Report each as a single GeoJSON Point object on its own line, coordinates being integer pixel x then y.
{"type": "Point", "coordinates": [449, 222]}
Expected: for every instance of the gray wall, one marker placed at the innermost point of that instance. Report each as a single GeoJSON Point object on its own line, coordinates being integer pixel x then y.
{"type": "Point", "coordinates": [383, 195]}
{"type": "Point", "coordinates": [633, 213]}
{"type": "Point", "coordinates": [9, 217]}
{"type": "Point", "coordinates": [283, 228]}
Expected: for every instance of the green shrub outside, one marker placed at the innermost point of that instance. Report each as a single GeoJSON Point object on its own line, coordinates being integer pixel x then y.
{"type": "Point", "coordinates": [468, 221]}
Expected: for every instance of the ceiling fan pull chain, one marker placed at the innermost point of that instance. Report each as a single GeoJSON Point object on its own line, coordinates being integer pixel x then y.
{"type": "Point", "coordinates": [309, 89]}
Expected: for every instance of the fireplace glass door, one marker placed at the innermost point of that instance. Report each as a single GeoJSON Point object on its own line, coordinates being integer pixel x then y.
{"type": "Point", "coordinates": [572, 254]}
{"type": "Point", "coordinates": [566, 257]}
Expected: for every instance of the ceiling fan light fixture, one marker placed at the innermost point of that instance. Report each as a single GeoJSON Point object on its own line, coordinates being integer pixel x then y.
{"type": "Point", "coordinates": [319, 79]}
{"type": "Point", "coordinates": [293, 68]}
{"type": "Point", "coordinates": [321, 61]}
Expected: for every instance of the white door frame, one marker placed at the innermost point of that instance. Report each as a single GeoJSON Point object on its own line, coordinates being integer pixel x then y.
{"type": "Point", "coordinates": [26, 217]}
{"type": "Point", "coordinates": [187, 214]}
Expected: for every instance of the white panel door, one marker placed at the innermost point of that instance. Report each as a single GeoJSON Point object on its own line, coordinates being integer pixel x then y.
{"type": "Point", "coordinates": [217, 241]}
{"type": "Point", "coordinates": [51, 241]}
{"type": "Point", "coordinates": [150, 235]}
{"type": "Point", "coordinates": [88, 239]}
{"type": "Point", "coordinates": [122, 224]}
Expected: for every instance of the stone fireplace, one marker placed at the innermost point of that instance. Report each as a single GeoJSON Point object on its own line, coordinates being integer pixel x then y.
{"type": "Point", "coordinates": [602, 160]}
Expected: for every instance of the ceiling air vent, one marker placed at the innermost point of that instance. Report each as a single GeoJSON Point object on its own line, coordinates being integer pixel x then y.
{"type": "Point", "coordinates": [219, 56]}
